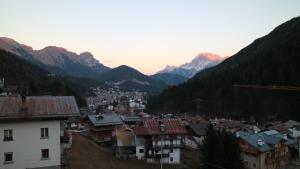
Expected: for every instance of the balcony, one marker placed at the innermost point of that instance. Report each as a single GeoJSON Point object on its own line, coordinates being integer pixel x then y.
{"type": "Point", "coordinates": [168, 146]}
{"type": "Point", "coordinates": [158, 156]}
{"type": "Point", "coordinates": [276, 159]}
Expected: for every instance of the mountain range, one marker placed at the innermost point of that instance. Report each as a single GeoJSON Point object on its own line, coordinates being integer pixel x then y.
{"type": "Point", "coordinates": [82, 67]}
{"type": "Point", "coordinates": [56, 60]}
{"type": "Point", "coordinates": [60, 61]}
{"type": "Point", "coordinates": [170, 78]}
{"type": "Point", "coordinates": [200, 62]}
{"type": "Point", "coordinates": [242, 86]}
{"type": "Point", "coordinates": [33, 80]}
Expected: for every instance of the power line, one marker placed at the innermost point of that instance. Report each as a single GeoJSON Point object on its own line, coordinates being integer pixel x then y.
{"type": "Point", "coordinates": [271, 87]}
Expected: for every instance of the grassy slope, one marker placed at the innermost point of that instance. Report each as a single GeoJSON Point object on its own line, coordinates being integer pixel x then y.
{"type": "Point", "coordinates": [85, 154]}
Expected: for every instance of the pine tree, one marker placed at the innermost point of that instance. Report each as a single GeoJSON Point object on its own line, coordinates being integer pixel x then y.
{"type": "Point", "coordinates": [220, 150]}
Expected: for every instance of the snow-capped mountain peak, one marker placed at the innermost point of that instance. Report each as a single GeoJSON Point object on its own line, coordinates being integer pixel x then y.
{"type": "Point", "coordinates": [200, 62]}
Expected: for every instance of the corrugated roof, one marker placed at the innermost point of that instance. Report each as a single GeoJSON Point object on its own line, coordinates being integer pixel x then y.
{"type": "Point", "coordinates": [105, 119]}
{"type": "Point", "coordinates": [12, 108]}
{"type": "Point", "coordinates": [151, 127]}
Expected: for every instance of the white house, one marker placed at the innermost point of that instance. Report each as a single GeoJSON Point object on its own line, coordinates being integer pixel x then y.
{"type": "Point", "coordinates": [159, 141]}
{"type": "Point", "coordinates": [294, 128]}
{"type": "Point", "coordinates": [30, 130]}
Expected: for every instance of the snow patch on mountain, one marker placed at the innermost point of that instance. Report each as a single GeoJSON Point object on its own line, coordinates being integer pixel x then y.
{"type": "Point", "coordinates": [199, 63]}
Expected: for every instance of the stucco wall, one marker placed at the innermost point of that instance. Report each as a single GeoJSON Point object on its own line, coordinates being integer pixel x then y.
{"type": "Point", "coordinates": [27, 144]}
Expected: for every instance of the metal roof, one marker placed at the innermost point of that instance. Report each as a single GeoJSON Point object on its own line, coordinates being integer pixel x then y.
{"type": "Point", "coordinates": [131, 118]}
{"type": "Point", "coordinates": [13, 108]}
{"type": "Point", "coordinates": [105, 119]}
{"type": "Point", "coordinates": [292, 123]}
{"type": "Point", "coordinates": [151, 127]}
{"type": "Point", "coordinates": [271, 132]}
{"type": "Point", "coordinates": [269, 140]}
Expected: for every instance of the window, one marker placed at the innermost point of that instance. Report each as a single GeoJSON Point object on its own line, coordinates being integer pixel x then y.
{"type": "Point", "coordinates": [8, 135]}
{"type": "Point", "coordinates": [44, 133]}
{"type": "Point", "coordinates": [171, 150]}
{"type": "Point", "coordinates": [8, 158]}
{"type": "Point", "coordinates": [171, 158]}
{"type": "Point", "coordinates": [141, 151]}
{"type": "Point", "coordinates": [45, 154]}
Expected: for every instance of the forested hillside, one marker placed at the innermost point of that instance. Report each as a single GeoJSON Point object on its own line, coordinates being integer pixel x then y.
{"type": "Point", "coordinates": [272, 60]}
{"type": "Point", "coordinates": [36, 81]}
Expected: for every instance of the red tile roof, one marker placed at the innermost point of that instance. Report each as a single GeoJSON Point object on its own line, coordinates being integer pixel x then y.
{"type": "Point", "coordinates": [151, 127]}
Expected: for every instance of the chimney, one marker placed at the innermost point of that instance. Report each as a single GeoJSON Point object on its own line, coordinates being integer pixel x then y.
{"type": "Point", "coordinates": [24, 107]}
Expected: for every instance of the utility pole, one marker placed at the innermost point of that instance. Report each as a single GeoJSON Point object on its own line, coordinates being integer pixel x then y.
{"type": "Point", "coordinates": [162, 128]}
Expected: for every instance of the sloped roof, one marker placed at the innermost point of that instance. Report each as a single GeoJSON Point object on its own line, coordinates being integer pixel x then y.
{"type": "Point", "coordinates": [269, 138]}
{"type": "Point", "coordinates": [12, 108]}
{"type": "Point", "coordinates": [105, 119]}
{"type": "Point", "coordinates": [131, 118]}
{"type": "Point", "coordinates": [292, 123]}
{"type": "Point", "coordinates": [199, 129]}
{"type": "Point", "coordinates": [151, 127]}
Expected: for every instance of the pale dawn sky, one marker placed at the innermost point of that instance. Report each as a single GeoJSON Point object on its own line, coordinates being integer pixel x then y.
{"type": "Point", "coordinates": [144, 34]}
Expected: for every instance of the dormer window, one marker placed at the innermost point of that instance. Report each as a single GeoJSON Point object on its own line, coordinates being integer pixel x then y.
{"type": "Point", "coordinates": [8, 135]}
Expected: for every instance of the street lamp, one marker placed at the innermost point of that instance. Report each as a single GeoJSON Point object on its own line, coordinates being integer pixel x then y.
{"type": "Point", "coordinates": [162, 129]}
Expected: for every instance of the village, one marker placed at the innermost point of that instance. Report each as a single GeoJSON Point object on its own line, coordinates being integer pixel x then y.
{"type": "Point", "coordinates": [55, 122]}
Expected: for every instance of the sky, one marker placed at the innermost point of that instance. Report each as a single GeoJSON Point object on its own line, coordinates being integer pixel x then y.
{"type": "Point", "coordinates": [144, 34]}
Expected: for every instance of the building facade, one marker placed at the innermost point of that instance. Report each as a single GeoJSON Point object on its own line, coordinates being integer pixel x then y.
{"type": "Point", "coordinates": [30, 131]}
{"type": "Point", "coordinates": [155, 145]}
{"type": "Point", "coordinates": [27, 143]}
{"type": "Point", "coordinates": [265, 150]}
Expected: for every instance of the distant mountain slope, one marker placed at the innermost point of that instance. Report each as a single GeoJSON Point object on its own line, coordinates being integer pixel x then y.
{"type": "Point", "coordinates": [268, 61]}
{"type": "Point", "coordinates": [56, 59]}
{"type": "Point", "coordinates": [23, 74]}
{"type": "Point", "coordinates": [130, 79]}
{"type": "Point", "coordinates": [169, 78]}
{"type": "Point", "coordinates": [200, 62]}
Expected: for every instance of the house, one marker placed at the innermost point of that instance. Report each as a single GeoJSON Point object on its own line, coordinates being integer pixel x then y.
{"type": "Point", "coordinates": [131, 120]}
{"type": "Point", "coordinates": [229, 125]}
{"type": "Point", "coordinates": [124, 142]}
{"type": "Point", "coordinates": [159, 140]}
{"type": "Point", "coordinates": [142, 114]}
{"type": "Point", "coordinates": [265, 150]}
{"type": "Point", "coordinates": [74, 123]}
{"type": "Point", "coordinates": [294, 128]}
{"type": "Point", "coordinates": [197, 132]}
{"type": "Point", "coordinates": [30, 130]}
{"type": "Point", "coordinates": [102, 126]}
